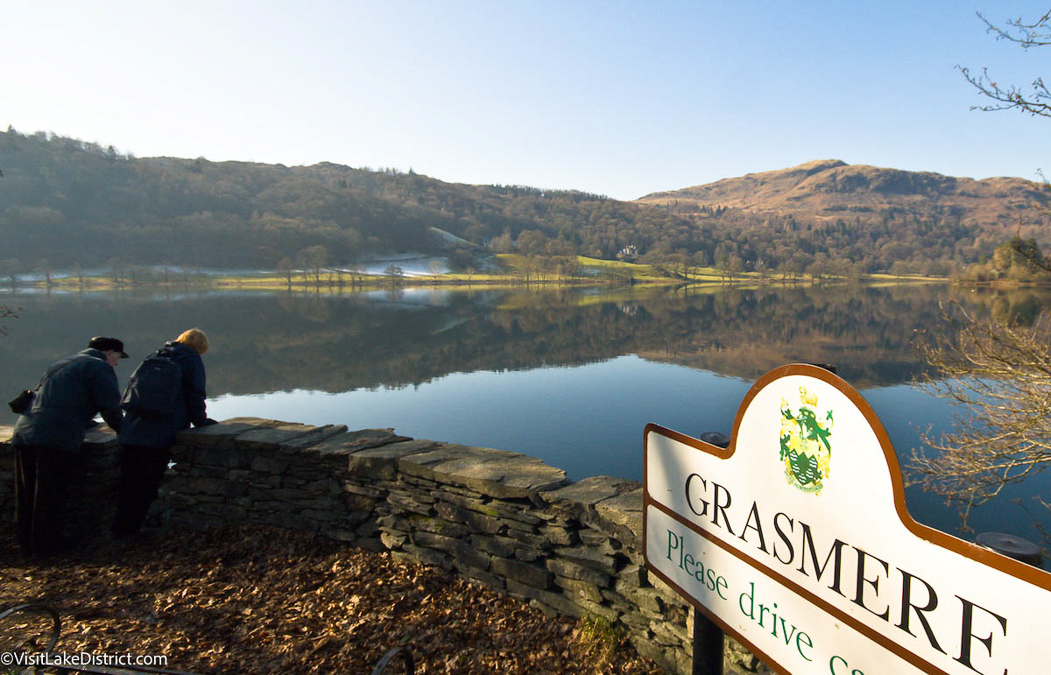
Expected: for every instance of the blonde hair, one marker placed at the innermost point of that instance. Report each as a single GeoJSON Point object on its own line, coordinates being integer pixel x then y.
{"type": "Point", "coordinates": [195, 339]}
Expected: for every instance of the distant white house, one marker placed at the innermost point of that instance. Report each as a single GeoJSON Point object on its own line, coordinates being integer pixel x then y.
{"type": "Point", "coordinates": [629, 252]}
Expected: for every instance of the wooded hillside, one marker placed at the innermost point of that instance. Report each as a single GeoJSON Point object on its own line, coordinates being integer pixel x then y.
{"type": "Point", "coordinates": [66, 203]}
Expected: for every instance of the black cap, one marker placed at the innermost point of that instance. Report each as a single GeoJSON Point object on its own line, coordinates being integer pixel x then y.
{"type": "Point", "coordinates": [108, 344]}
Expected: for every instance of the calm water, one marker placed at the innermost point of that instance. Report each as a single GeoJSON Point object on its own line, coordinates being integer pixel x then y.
{"type": "Point", "coordinates": [571, 376]}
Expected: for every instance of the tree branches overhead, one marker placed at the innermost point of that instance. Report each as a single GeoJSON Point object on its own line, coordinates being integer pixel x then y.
{"type": "Point", "coordinates": [1034, 99]}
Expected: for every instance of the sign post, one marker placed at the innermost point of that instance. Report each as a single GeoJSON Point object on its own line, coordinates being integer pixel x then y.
{"type": "Point", "coordinates": [795, 539]}
{"type": "Point", "coordinates": [708, 643]}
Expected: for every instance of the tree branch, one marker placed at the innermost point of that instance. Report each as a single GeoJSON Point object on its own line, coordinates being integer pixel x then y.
{"type": "Point", "coordinates": [1026, 35]}
{"type": "Point", "coordinates": [1036, 34]}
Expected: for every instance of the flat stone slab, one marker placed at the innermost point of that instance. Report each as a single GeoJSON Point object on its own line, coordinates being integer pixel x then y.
{"type": "Point", "coordinates": [224, 432]}
{"type": "Point", "coordinates": [582, 496]}
{"type": "Point", "coordinates": [312, 438]}
{"type": "Point", "coordinates": [287, 435]}
{"type": "Point", "coordinates": [611, 505]}
{"type": "Point", "coordinates": [382, 461]}
{"type": "Point", "coordinates": [256, 433]}
{"type": "Point", "coordinates": [623, 514]}
{"type": "Point", "coordinates": [495, 473]}
{"type": "Point", "coordinates": [351, 442]}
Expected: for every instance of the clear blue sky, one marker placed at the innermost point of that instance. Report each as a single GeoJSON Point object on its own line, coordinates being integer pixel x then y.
{"type": "Point", "coordinates": [617, 98]}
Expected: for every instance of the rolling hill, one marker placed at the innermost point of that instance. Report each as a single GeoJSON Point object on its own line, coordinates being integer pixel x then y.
{"type": "Point", "coordinates": [830, 190]}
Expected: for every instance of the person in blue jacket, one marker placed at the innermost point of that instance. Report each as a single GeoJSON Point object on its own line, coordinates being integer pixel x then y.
{"type": "Point", "coordinates": [146, 443]}
{"type": "Point", "coordinates": [48, 436]}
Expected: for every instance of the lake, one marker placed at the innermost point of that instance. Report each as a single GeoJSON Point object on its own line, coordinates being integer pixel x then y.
{"type": "Point", "coordinates": [570, 375]}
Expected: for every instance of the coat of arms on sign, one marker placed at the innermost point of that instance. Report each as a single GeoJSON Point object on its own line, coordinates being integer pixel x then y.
{"type": "Point", "coordinates": [806, 448]}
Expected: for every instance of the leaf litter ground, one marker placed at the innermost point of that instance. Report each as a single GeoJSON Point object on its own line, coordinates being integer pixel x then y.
{"type": "Point", "coordinates": [261, 600]}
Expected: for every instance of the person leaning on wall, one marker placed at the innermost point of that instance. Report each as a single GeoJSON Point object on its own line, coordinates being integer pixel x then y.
{"type": "Point", "coordinates": [48, 436]}
{"type": "Point", "coordinates": [146, 442]}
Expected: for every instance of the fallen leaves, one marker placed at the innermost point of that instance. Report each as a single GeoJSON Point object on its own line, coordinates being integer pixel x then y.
{"type": "Point", "coordinates": [258, 600]}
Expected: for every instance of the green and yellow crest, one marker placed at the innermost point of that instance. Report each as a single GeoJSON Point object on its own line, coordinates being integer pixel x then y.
{"type": "Point", "coordinates": [806, 449]}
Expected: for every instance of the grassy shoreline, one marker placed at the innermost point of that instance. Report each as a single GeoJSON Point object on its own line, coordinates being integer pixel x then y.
{"type": "Point", "coordinates": [517, 271]}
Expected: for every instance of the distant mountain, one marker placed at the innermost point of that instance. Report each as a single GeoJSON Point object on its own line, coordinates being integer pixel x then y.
{"type": "Point", "coordinates": [69, 204]}
{"type": "Point", "coordinates": [830, 190]}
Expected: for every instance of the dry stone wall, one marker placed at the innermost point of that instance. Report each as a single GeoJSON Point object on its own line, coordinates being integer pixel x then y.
{"type": "Point", "coordinates": [504, 519]}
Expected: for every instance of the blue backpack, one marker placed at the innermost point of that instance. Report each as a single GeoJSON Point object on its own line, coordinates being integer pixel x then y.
{"type": "Point", "coordinates": [155, 388]}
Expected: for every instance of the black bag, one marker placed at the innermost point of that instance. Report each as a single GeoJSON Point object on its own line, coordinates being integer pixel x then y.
{"type": "Point", "coordinates": [155, 388]}
{"type": "Point", "coordinates": [19, 404]}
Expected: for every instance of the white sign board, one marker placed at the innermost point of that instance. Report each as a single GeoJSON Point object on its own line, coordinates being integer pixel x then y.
{"type": "Point", "coordinates": [796, 540]}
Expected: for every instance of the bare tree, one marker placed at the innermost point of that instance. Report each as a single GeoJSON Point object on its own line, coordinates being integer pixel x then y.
{"type": "Point", "coordinates": [314, 258]}
{"type": "Point", "coordinates": [1000, 372]}
{"type": "Point", "coordinates": [998, 369]}
{"type": "Point", "coordinates": [285, 266]}
{"type": "Point", "coordinates": [395, 274]}
{"type": "Point", "coordinates": [116, 271]}
{"type": "Point", "coordinates": [357, 273]}
{"type": "Point", "coordinates": [1035, 100]}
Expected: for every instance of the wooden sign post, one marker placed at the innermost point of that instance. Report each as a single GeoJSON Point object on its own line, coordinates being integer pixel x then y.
{"type": "Point", "coordinates": [795, 539]}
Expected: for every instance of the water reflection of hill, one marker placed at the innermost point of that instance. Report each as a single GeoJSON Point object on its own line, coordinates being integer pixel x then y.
{"type": "Point", "coordinates": [867, 332]}
{"type": "Point", "coordinates": [265, 342]}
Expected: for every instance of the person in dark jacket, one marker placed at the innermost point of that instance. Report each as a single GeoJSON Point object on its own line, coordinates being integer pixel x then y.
{"type": "Point", "coordinates": [146, 443]}
{"type": "Point", "coordinates": [48, 436]}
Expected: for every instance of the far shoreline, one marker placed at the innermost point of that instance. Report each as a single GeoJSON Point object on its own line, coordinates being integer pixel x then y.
{"type": "Point", "coordinates": [518, 272]}
{"type": "Point", "coordinates": [373, 283]}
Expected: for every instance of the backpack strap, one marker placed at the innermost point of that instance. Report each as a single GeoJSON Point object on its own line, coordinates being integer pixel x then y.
{"type": "Point", "coordinates": [55, 368]}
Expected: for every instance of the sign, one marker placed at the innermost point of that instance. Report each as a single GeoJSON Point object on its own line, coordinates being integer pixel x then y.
{"type": "Point", "coordinates": [796, 540]}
